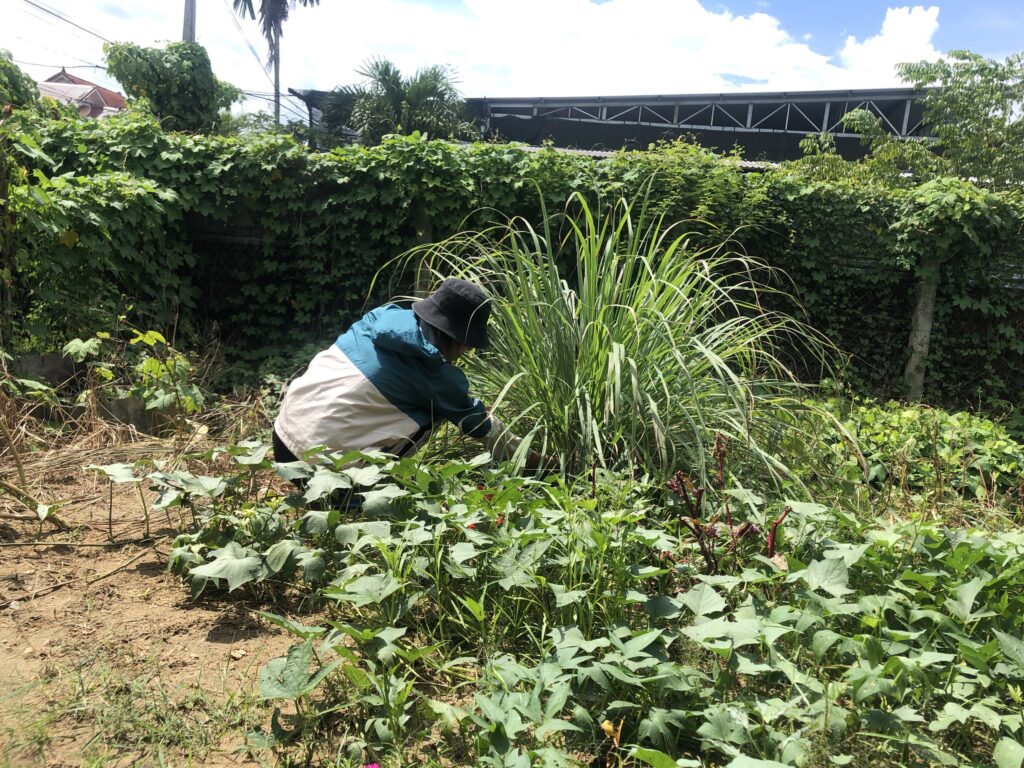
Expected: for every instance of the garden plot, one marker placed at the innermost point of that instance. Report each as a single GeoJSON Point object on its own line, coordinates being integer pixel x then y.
{"type": "Point", "coordinates": [608, 621]}
{"type": "Point", "coordinates": [472, 616]}
{"type": "Point", "coordinates": [103, 658]}
{"type": "Point", "coordinates": [750, 589]}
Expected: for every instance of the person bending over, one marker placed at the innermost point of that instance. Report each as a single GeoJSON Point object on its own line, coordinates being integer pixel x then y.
{"type": "Point", "coordinates": [390, 380]}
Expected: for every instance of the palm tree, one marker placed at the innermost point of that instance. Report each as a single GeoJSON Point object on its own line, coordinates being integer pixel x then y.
{"type": "Point", "coordinates": [386, 102]}
{"type": "Point", "coordinates": [272, 15]}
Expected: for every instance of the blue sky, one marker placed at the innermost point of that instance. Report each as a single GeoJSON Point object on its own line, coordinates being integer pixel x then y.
{"type": "Point", "coordinates": [994, 28]}
{"type": "Point", "coordinates": [538, 47]}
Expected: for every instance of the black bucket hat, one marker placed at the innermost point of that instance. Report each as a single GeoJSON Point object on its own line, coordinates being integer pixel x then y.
{"type": "Point", "coordinates": [458, 308]}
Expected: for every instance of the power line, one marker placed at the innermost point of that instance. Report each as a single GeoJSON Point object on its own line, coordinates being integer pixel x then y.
{"type": "Point", "coordinates": [64, 32]}
{"type": "Point", "coordinates": [265, 96]}
{"type": "Point", "coordinates": [63, 55]}
{"type": "Point", "coordinates": [49, 22]}
{"type": "Point", "coordinates": [62, 17]}
{"type": "Point", "coordinates": [63, 66]}
{"type": "Point", "coordinates": [249, 45]}
{"type": "Point", "coordinates": [295, 100]}
{"type": "Point", "coordinates": [291, 112]}
{"type": "Point", "coordinates": [284, 104]}
{"type": "Point", "coordinates": [254, 92]}
{"type": "Point", "coordinates": [248, 42]}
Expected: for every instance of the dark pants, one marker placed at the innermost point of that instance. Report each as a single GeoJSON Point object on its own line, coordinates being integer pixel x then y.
{"type": "Point", "coordinates": [282, 455]}
{"type": "Point", "coordinates": [340, 499]}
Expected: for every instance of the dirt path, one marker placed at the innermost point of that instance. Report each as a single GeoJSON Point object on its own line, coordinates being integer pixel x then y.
{"type": "Point", "coordinates": [125, 669]}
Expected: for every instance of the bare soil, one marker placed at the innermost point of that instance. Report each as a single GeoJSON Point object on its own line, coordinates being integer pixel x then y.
{"type": "Point", "coordinates": [89, 629]}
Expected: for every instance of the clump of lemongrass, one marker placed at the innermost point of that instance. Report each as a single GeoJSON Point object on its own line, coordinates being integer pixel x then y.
{"type": "Point", "coordinates": [615, 343]}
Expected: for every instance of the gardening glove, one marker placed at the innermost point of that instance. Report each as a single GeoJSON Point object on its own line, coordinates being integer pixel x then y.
{"type": "Point", "coordinates": [503, 444]}
{"type": "Point", "coordinates": [500, 441]}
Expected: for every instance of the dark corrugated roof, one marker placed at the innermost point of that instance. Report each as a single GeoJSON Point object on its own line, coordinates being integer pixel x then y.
{"type": "Point", "coordinates": [738, 96]}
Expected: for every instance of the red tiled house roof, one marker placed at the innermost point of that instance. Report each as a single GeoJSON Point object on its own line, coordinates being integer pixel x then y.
{"type": "Point", "coordinates": [112, 99]}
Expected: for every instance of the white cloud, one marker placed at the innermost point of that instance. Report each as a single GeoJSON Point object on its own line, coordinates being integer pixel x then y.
{"type": "Point", "coordinates": [529, 48]}
{"type": "Point", "coordinates": [905, 36]}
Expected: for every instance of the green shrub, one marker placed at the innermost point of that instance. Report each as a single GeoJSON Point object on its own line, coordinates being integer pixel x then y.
{"type": "Point", "coordinates": [16, 87]}
{"type": "Point", "coordinates": [177, 81]}
{"type": "Point", "coordinates": [92, 247]}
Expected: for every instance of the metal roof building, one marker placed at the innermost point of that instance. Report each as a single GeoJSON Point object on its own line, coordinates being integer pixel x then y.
{"type": "Point", "coordinates": [767, 126]}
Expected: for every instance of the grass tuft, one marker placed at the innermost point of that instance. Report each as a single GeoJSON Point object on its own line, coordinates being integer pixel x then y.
{"type": "Point", "coordinates": [617, 344]}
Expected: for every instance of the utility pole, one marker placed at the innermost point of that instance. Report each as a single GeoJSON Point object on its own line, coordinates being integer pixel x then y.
{"type": "Point", "coordinates": [277, 78]}
{"type": "Point", "coordinates": [188, 33]}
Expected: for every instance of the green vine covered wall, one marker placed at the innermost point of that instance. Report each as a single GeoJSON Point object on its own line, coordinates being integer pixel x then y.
{"type": "Point", "coordinates": [273, 248]}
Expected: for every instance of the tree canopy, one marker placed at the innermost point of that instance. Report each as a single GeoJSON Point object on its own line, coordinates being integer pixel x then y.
{"type": "Point", "coordinates": [973, 113]}
{"type": "Point", "coordinates": [177, 80]}
{"type": "Point", "coordinates": [973, 106]}
{"type": "Point", "coordinates": [16, 88]}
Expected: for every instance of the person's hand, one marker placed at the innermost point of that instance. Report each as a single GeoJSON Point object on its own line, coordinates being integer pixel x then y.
{"type": "Point", "coordinates": [542, 464]}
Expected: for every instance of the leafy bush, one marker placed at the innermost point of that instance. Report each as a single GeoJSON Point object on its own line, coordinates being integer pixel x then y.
{"type": "Point", "coordinates": [844, 246]}
{"type": "Point", "coordinates": [177, 81]}
{"type": "Point", "coordinates": [143, 366]}
{"type": "Point", "coordinates": [90, 247]}
{"type": "Point", "coordinates": [973, 107]}
{"type": "Point", "coordinates": [286, 242]}
{"type": "Point", "coordinates": [17, 89]}
{"type": "Point", "coordinates": [686, 182]}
